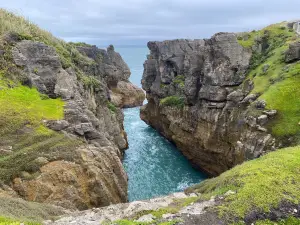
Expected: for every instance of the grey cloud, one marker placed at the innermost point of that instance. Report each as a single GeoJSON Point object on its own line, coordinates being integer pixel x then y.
{"type": "Point", "coordinates": [138, 21]}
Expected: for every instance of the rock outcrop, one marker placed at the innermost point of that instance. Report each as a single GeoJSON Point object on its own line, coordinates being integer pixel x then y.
{"type": "Point", "coordinates": [115, 72]}
{"type": "Point", "coordinates": [177, 208]}
{"type": "Point", "coordinates": [93, 175]}
{"type": "Point", "coordinates": [88, 172]}
{"type": "Point", "coordinates": [126, 95]}
{"type": "Point", "coordinates": [199, 97]}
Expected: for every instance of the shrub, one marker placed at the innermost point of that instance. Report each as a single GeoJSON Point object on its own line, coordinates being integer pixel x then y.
{"type": "Point", "coordinates": [111, 107]}
{"type": "Point", "coordinates": [179, 80]}
{"type": "Point", "coordinates": [174, 101]}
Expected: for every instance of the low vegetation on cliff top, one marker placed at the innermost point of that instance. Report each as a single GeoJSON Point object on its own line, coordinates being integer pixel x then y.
{"type": "Point", "coordinates": [277, 82]}
{"type": "Point", "coordinates": [260, 184]}
{"type": "Point", "coordinates": [10, 23]}
{"type": "Point", "coordinates": [23, 135]}
{"type": "Point", "coordinates": [17, 211]}
{"type": "Point", "coordinates": [174, 101]}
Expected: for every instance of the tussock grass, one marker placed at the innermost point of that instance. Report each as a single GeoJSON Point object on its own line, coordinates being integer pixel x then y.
{"type": "Point", "coordinates": [21, 115]}
{"type": "Point", "coordinates": [69, 55]}
{"type": "Point", "coordinates": [15, 211]}
{"type": "Point", "coordinates": [260, 184]}
{"type": "Point", "coordinates": [275, 31]}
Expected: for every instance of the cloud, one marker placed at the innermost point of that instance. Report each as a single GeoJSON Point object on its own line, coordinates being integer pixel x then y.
{"type": "Point", "coordinates": [137, 21]}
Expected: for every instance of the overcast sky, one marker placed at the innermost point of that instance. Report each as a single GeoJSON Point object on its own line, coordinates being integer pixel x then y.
{"type": "Point", "coordinates": [135, 22]}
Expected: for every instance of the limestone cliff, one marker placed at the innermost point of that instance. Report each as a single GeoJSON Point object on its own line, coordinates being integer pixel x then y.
{"type": "Point", "coordinates": [212, 97]}
{"type": "Point", "coordinates": [62, 137]}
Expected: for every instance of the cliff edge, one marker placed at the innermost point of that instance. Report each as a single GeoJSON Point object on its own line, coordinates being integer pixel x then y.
{"type": "Point", "coordinates": [226, 99]}
{"type": "Point", "coordinates": [61, 135]}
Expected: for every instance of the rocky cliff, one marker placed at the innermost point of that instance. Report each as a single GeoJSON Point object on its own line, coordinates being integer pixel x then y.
{"type": "Point", "coordinates": [221, 100]}
{"type": "Point", "coordinates": [256, 192]}
{"type": "Point", "coordinates": [62, 136]}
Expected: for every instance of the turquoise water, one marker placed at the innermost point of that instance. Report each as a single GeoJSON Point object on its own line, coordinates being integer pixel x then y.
{"type": "Point", "coordinates": [154, 166]}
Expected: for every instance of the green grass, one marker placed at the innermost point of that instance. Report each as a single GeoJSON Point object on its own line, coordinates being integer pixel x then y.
{"type": "Point", "coordinates": [260, 184]}
{"type": "Point", "coordinates": [179, 80]}
{"type": "Point", "coordinates": [276, 32]}
{"type": "Point", "coordinates": [27, 147]}
{"type": "Point", "coordinates": [21, 115]}
{"type": "Point", "coordinates": [88, 81]}
{"type": "Point", "coordinates": [173, 101]}
{"type": "Point", "coordinates": [24, 106]}
{"type": "Point", "coordinates": [12, 209]}
{"type": "Point", "coordinates": [111, 107]}
{"type": "Point", "coordinates": [69, 55]}
{"type": "Point", "coordinates": [289, 221]}
{"type": "Point", "coordinates": [284, 97]}
{"type": "Point", "coordinates": [8, 221]}
{"type": "Point", "coordinates": [279, 86]}
{"type": "Point", "coordinates": [131, 222]}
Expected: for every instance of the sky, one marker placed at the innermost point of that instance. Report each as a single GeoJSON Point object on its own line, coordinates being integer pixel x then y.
{"type": "Point", "coordinates": [135, 22]}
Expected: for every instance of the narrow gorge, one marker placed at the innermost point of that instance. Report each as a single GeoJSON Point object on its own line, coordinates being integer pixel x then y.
{"type": "Point", "coordinates": [154, 166]}
{"type": "Point", "coordinates": [215, 143]}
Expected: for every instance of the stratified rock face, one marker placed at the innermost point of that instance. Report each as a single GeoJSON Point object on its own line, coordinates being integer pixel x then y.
{"type": "Point", "coordinates": [93, 175]}
{"type": "Point", "coordinates": [126, 95]}
{"type": "Point", "coordinates": [111, 67]}
{"type": "Point", "coordinates": [213, 129]}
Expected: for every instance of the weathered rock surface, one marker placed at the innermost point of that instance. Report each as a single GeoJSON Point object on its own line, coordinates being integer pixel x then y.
{"type": "Point", "coordinates": [293, 53]}
{"type": "Point", "coordinates": [96, 179]}
{"type": "Point", "coordinates": [213, 129]}
{"type": "Point", "coordinates": [184, 215]}
{"type": "Point", "coordinates": [126, 95]}
{"type": "Point", "coordinates": [93, 175]}
{"type": "Point", "coordinates": [111, 67]}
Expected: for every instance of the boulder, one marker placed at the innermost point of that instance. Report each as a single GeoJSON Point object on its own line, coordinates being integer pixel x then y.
{"type": "Point", "coordinates": [262, 120]}
{"type": "Point", "coordinates": [293, 53]}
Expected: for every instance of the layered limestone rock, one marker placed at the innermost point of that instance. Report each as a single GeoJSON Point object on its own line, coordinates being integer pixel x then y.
{"type": "Point", "coordinates": [198, 98]}
{"type": "Point", "coordinates": [90, 173]}
{"type": "Point", "coordinates": [115, 72]}
{"type": "Point", "coordinates": [126, 95]}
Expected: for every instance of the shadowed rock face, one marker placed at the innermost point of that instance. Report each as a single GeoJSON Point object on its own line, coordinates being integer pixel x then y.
{"type": "Point", "coordinates": [213, 129]}
{"type": "Point", "coordinates": [93, 175]}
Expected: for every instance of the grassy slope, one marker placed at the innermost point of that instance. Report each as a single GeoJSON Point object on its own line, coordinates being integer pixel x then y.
{"type": "Point", "coordinates": [26, 212]}
{"type": "Point", "coordinates": [262, 184]}
{"type": "Point", "coordinates": [259, 184]}
{"type": "Point", "coordinates": [21, 115]}
{"type": "Point", "coordinates": [279, 86]}
{"type": "Point", "coordinates": [68, 53]}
